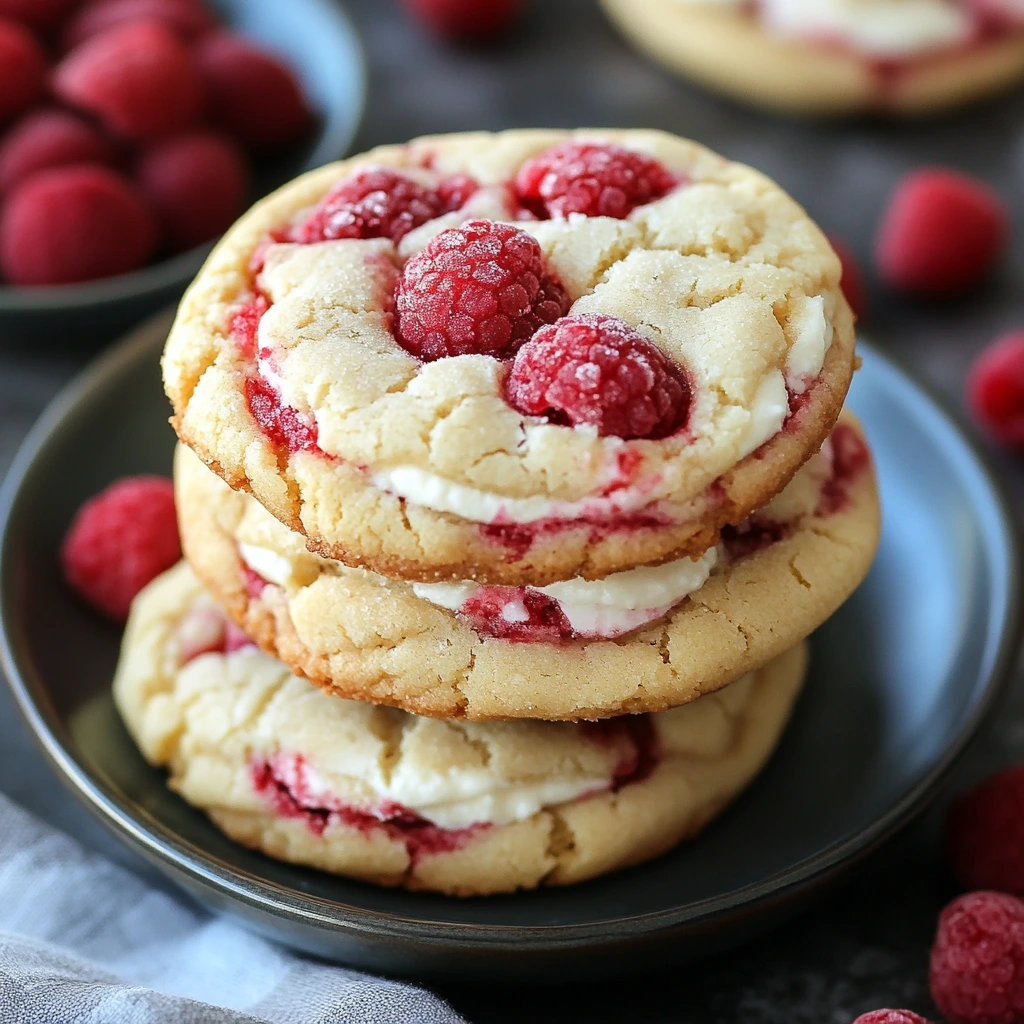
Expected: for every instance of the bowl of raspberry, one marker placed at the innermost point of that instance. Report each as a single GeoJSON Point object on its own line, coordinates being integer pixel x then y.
{"type": "Point", "coordinates": [134, 132]}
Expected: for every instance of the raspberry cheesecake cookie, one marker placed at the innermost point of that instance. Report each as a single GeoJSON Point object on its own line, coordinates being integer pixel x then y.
{"type": "Point", "coordinates": [516, 358]}
{"type": "Point", "coordinates": [835, 56]}
{"type": "Point", "coordinates": [644, 639]}
{"type": "Point", "coordinates": [384, 796]}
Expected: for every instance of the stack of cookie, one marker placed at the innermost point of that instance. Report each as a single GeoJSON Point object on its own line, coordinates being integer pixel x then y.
{"type": "Point", "coordinates": [514, 475]}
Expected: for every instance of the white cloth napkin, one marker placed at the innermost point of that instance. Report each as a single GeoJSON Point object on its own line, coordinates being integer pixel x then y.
{"type": "Point", "coordinates": [83, 941]}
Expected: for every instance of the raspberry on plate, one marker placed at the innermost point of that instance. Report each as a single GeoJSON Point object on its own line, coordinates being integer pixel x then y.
{"type": "Point", "coordinates": [467, 20]}
{"type": "Point", "coordinates": [36, 14]}
{"type": "Point", "coordinates": [596, 370]}
{"type": "Point", "coordinates": [977, 961]}
{"type": "Point", "coordinates": [74, 224]}
{"type": "Point", "coordinates": [941, 233]}
{"type": "Point", "coordinates": [119, 541]}
{"type": "Point", "coordinates": [252, 96]}
{"type": "Point", "coordinates": [196, 184]}
{"type": "Point", "coordinates": [49, 138]}
{"type": "Point", "coordinates": [188, 19]}
{"type": "Point", "coordinates": [890, 1017]}
{"type": "Point", "coordinates": [596, 179]}
{"type": "Point", "coordinates": [22, 69]}
{"type": "Point", "coordinates": [995, 389]}
{"type": "Point", "coordinates": [481, 288]}
{"type": "Point", "coordinates": [380, 203]}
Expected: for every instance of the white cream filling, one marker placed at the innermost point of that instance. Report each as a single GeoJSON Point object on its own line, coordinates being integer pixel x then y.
{"type": "Point", "coordinates": [768, 412]}
{"type": "Point", "coordinates": [810, 334]}
{"type": "Point", "coordinates": [274, 568]}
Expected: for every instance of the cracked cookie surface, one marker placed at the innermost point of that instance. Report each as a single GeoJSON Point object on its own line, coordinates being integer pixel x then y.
{"type": "Point", "coordinates": [423, 471]}
{"type": "Point", "coordinates": [384, 796]}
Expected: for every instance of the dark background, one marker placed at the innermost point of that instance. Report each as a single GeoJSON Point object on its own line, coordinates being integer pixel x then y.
{"type": "Point", "coordinates": [867, 944]}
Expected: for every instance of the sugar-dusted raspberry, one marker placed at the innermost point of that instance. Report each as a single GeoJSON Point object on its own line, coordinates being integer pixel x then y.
{"type": "Point", "coordinates": [467, 20]}
{"type": "Point", "coordinates": [596, 179]}
{"type": "Point", "coordinates": [36, 14]}
{"type": "Point", "coordinates": [252, 95]}
{"type": "Point", "coordinates": [119, 541]}
{"type": "Point", "coordinates": [139, 79]}
{"type": "Point", "coordinates": [49, 138]}
{"type": "Point", "coordinates": [479, 288]}
{"type": "Point", "coordinates": [852, 281]}
{"type": "Point", "coordinates": [890, 1017]}
{"type": "Point", "coordinates": [941, 233]}
{"type": "Point", "coordinates": [286, 427]}
{"type": "Point", "coordinates": [196, 184]}
{"type": "Point", "coordinates": [995, 389]}
{"type": "Point", "coordinates": [377, 202]}
{"type": "Point", "coordinates": [187, 19]}
{"type": "Point", "coordinates": [245, 324]}
{"type": "Point", "coordinates": [74, 224]}
{"type": "Point", "coordinates": [977, 961]}
{"type": "Point", "coordinates": [22, 69]}
{"type": "Point", "coordinates": [598, 371]}
{"type": "Point", "coordinates": [985, 833]}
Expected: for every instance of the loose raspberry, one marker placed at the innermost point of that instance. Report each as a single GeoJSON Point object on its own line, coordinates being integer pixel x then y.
{"type": "Point", "coordinates": [22, 69]}
{"type": "Point", "coordinates": [466, 20]}
{"type": "Point", "coordinates": [942, 232]}
{"type": "Point", "coordinates": [196, 183]}
{"type": "Point", "coordinates": [119, 541]}
{"type": "Point", "coordinates": [36, 14]}
{"type": "Point", "coordinates": [479, 288]}
{"type": "Point", "coordinates": [253, 96]}
{"type": "Point", "coordinates": [49, 138]}
{"type": "Point", "coordinates": [596, 179]}
{"type": "Point", "coordinates": [852, 281]}
{"type": "Point", "coordinates": [995, 389]}
{"type": "Point", "coordinates": [977, 963]}
{"type": "Point", "coordinates": [378, 202]}
{"type": "Point", "coordinates": [596, 370]}
{"type": "Point", "coordinates": [985, 833]}
{"type": "Point", "coordinates": [74, 224]}
{"type": "Point", "coordinates": [139, 79]}
{"type": "Point", "coordinates": [286, 427]}
{"type": "Point", "coordinates": [187, 19]}
{"type": "Point", "coordinates": [890, 1017]}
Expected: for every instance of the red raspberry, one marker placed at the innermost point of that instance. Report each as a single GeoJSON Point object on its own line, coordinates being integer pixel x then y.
{"type": "Point", "coordinates": [378, 202]}
{"type": "Point", "coordinates": [985, 833]}
{"type": "Point", "coordinates": [49, 138]}
{"type": "Point", "coordinates": [187, 19]}
{"type": "Point", "coordinates": [890, 1017]}
{"type": "Point", "coordinates": [977, 964]}
{"type": "Point", "coordinates": [595, 369]}
{"type": "Point", "coordinates": [139, 79]}
{"type": "Point", "coordinates": [286, 427]}
{"type": "Point", "coordinates": [196, 184]}
{"type": "Point", "coordinates": [479, 288]}
{"type": "Point", "coordinates": [852, 281]}
{"type": "Point", "coordinates": [74, 224]}
{"type": "Point", "coordinates": [36, 14]}
{"type": "Point", "coordinates": [22, 70]}
{"type": "Point", "coordinates": [466, 20]}
{"type": "Point", "coordinates": [253, 96]}
{"type": "Point", "coordinates": [942, 232]}
{"type": "Point", "coordinates": [596, 179]}
{"type": "Point", "coordinates": [995, 389]}
{"type": "Point", "coordinates": [119, 541]}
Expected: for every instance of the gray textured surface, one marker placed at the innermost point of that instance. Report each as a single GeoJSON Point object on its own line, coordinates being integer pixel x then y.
{"type": "Point", "coordinates": [866, 945]}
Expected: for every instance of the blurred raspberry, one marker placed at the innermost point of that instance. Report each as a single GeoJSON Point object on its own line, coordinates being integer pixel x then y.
{"type": "Point", "coordinates": [187, 19]}
{"type": "Point", "coordinates": [119, 541]}
{"type": "Point", "coordinates": [196, 184]}
{"type": "Point", "coordinates": [73, 224]}
{"type": "Point", "coordinates": [890, 1017]}
{"type": "Point", "coordinates": [49, 138]}
{"type": "Point", "coordinates": [253, 96]}
{"type": "Point", "coordinates": [941, 233]}
{"type": "Point", "coordinates": [995, 389]}
{"type": "Point", "coordinates": [596, 370]}
{"type": "Point", "coordinates": [36, 14]}
{"type": "Point", "coordinates": [481, 288]}
{"type": "Point", "coordinates": [467, 20]}
{"type": "Point", "coordinates": [22, 70]}
{"type": "Point", "coordinates": [852, 281]}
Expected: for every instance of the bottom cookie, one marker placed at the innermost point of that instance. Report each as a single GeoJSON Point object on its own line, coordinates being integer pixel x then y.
{"type": "Point", "coordinates": [382, 795]}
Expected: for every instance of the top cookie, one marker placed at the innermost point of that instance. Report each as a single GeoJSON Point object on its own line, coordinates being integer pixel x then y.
{"type": "Point", "coordinates": [514, 358]}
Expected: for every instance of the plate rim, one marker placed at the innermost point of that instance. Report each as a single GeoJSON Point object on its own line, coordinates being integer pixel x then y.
{"type": "Point", "coordinates": [190, 865]}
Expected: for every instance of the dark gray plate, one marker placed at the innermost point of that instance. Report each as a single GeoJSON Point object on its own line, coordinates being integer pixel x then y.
{"type": "Point", "coordinates": [901, 679]}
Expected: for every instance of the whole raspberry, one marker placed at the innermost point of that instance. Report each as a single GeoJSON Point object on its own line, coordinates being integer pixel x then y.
{"type": "Point", "coordinates": [995, 389]}
{"type": "Point", "coordinates": [596, 179]}
{"type": "Point", "coordinates": [596, 370]}
{"type": "Point", "coordinates": [977, 962]}
{"type": "Point", "coordinates": [466, 20]}
{"type": "Point", "coordinates": [49, 138]}
{"type": "Point", "coordinates": [941, 233]}
{"type": "Point", "coordinates": [196, 184]}
{"type": "Point", "coordinates": [985, 833]}
{"type": "Point", "coordinates": [890, 1017]}
{"type": "Point", "coordinates": [139, 79]}
{"type": "Point", "coordinates": [377, 202]}
{"type": "Point", "coordinates": [852, 281]}
{"type": "Point", "coordinates": [187, 19]}
{"type": "Point", "coordinates": [480, 288]}
{"type": "Point", "coordinates": [22, 69]}
{"type": "Point", "coordinates": [74, 224]}
{"type": "Point", "coordinates": [119, 541]}
{"type": "Point", "coordinates": [36, 14]}
{"type": "Point", "coordinates": [252, 96]}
